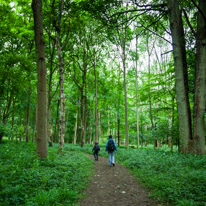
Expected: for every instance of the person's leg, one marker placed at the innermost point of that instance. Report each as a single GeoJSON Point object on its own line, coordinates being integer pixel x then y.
{"type": "Point", "coordinates": [96, 155]}
{"type": "Point", "coordinates": [113, 159]}
{"type": "Point", "coordinates": [110, 158]}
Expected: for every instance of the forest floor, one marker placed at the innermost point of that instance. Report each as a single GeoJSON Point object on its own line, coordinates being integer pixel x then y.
{"type": "Point", "coordinates": [114, 186]}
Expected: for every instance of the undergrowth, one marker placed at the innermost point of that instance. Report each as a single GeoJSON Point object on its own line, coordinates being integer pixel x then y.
{"type": "Point", "coordinates": [175, 178]}
{"type": "Point", "coordinates": [172, 177]}
{"type": "Point", "coordinates": [26, 180]}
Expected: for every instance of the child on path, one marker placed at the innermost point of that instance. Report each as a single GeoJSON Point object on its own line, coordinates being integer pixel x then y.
{"type": "Point", "coordinates": [111, 147]}
{"type": "Point", "coordinates": [96, 150]}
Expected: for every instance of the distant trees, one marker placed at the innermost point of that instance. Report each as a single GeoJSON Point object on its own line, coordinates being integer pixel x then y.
{"type": "Point", "coordinates": [99, 79]}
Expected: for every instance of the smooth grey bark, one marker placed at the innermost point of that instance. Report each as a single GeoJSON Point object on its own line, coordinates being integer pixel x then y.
{"type": "Point", "coordinates": [83, 107]}
{"type": "Point", "coordinates": [180, 66]}
{"type": "Point", "coordinates": [56, 129]}
{"type": "Point", "coordinates": [41, 127]}
{"type": "Point", "coordinates": [118, 109]}
{"type": "Point", "coordinates": [60, 49]}
{"type": "Point", "coordinates": [28, 114]}
{"type": "Point", "coordinates": [149, 81]}
{"type": "Point", "coordinates": [82, 88]}
{"type": "Point", "coordinates": [96, 100]}
{"type": "Point", "coordinates": [137, 105]}
{"type": "Point", "coordinates": [122, 34]}
{"type": "Point", "coordinates": [149, 52]}
{"type": "Point", "coordinates": [125, 92]}
{"type": "Point", "coordinates": [34, 127]}
{"type": "Point", "coordinates": [200, 82]}
{"type": "Point", "coordinates": [75, 127]}
{"type": "Point", "coordinates": [12, 120]}
{"type": "Point", "coordinates": [108, 122]}
{"type": "Point", "coordinates": [61, 80]}
{"type": "Point", "coordinates": [51, 72]}
{"type": "Point", "coordinates": [99, 114]}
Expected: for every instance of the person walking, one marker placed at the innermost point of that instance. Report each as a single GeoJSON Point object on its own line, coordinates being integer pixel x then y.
{"type": "Point", "coordinates": [96, 150]}
{"type": "Point", "coordinates": [111, 147]}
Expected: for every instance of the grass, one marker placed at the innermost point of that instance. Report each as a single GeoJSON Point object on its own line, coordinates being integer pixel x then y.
{"type": "Point", "coordinates": [58, 180]}
{"type": "Point", "coordinates": [27, 180]}
{"type": "Point", "coordinates": [172, 177]}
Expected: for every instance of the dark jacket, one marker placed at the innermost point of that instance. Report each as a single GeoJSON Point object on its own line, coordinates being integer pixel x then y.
{"type": "Point", "coordinates": [96, 148]}
{"type": "Point", "coordinates": [115, 146]}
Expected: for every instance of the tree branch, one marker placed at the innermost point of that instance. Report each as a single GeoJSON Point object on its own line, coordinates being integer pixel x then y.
{"type": "Point", "coordinates": [147, 28]}
{"type": "Point", "coordinates": [188, 22]}
{"type": "Point", "coordinates": [199, 10]}
{"type": "Point", "coordinates": [68, 31]}
{"type": "Point", "coordinates": [166, 52]}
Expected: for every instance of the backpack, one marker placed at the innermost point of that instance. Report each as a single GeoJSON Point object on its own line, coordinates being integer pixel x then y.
{"type": "Point", "coordinates": [96, 148]}
{"type": "Point", "coordinates": [110, 146]}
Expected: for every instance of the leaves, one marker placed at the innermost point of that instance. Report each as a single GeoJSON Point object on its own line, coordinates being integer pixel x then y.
{"type": "Point", "coordinates": [174, 178]}
{"type": "Point", "coordinates": [31, 181]}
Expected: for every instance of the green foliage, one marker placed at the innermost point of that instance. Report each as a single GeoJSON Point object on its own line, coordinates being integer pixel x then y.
{"type": "Point", "coordinates": [27, 180]}
{"type": "Point", "coordinates": [3, 130]}
{"type": "Point", "coordinates": [172, 177]}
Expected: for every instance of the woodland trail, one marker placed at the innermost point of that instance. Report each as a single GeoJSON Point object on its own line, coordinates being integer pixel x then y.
{"type": "Point", "coordinates": [114, 186]}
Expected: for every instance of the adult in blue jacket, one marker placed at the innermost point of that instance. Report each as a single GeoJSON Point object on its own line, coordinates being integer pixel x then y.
{"type": "Point", "coordinates": [111, 147]}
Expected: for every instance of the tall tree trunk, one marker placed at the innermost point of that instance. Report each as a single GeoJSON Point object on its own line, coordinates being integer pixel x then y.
{"type": "Point", "coordinates": [90, 135]}
{"type": "Point", "coordinates": [82, 118]}
{"type": "Point", "coordinates": [149, 91]}
{"type": "Point", "coordinates": [27, 115]}
{"type": "Point", "coordinates": [200, 82]}
{"type": "Point", "coordinates": [96, 102]}
{"type": "Point", "coordinates": [61, 72]}
{"type": "Point", "coordinates": [137, 109]}
{"type": "Point", "coordinates": [42, 148]}
{"type": "Point", "coordinates": [62, 97]}
{"type": "Point", "coordinates": [145, 141]}
{"type": "Point", "coordinates": [67, 117]}
{"type": "Point", "coordinates": [75, 127]}
{"type": "Point", "coordinates": [7, 108]}
{"type": "Point", "coordinates": [6, 112]}
{"type": "Point", "coordinates": [99, 127]}
{"type": "Point", "coordinates": [56, 130]}
{"type": "Point", "coordinates": [118, 130]}
{"type": "Point", "coordinates": [34, 127]}
{"type": "Point", "coordinates": [180, 66]}
{"type": "Point", "coordinates": [125, 90]}
{"type": "Point", "coordinates": [83, 107]}
{"type": "Point", "coordinates": [173, 121]}
{"type": "Point", "coordinates": [12, 120]}
{"type": "Point", "coordinates": [50, 124]}
{"type": "Point", "coordinates": [118, 110]}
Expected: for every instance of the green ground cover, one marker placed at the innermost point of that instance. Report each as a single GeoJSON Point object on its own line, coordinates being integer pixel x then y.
{"type": "Point", "coordinates": [172, 177]}
{"type": "Point", "coordinates": [27, 180]}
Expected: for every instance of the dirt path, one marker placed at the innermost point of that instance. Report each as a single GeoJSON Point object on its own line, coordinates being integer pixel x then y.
{"type": "Point", "coordinates": [114, 186]}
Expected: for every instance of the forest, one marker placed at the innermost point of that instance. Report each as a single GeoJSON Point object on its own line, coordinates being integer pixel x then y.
{"type": "Point", "coordinates": [73, 72]}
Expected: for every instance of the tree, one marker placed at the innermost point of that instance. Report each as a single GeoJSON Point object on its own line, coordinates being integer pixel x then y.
{"type": "Point", "coordinates": [194, 143]}
{"type": "Point", "coordinates": [200, 82]}
{"type": "Point", "coordinates": [41, 127]}
{"type": "Point", "coordinates": [136, 87]}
